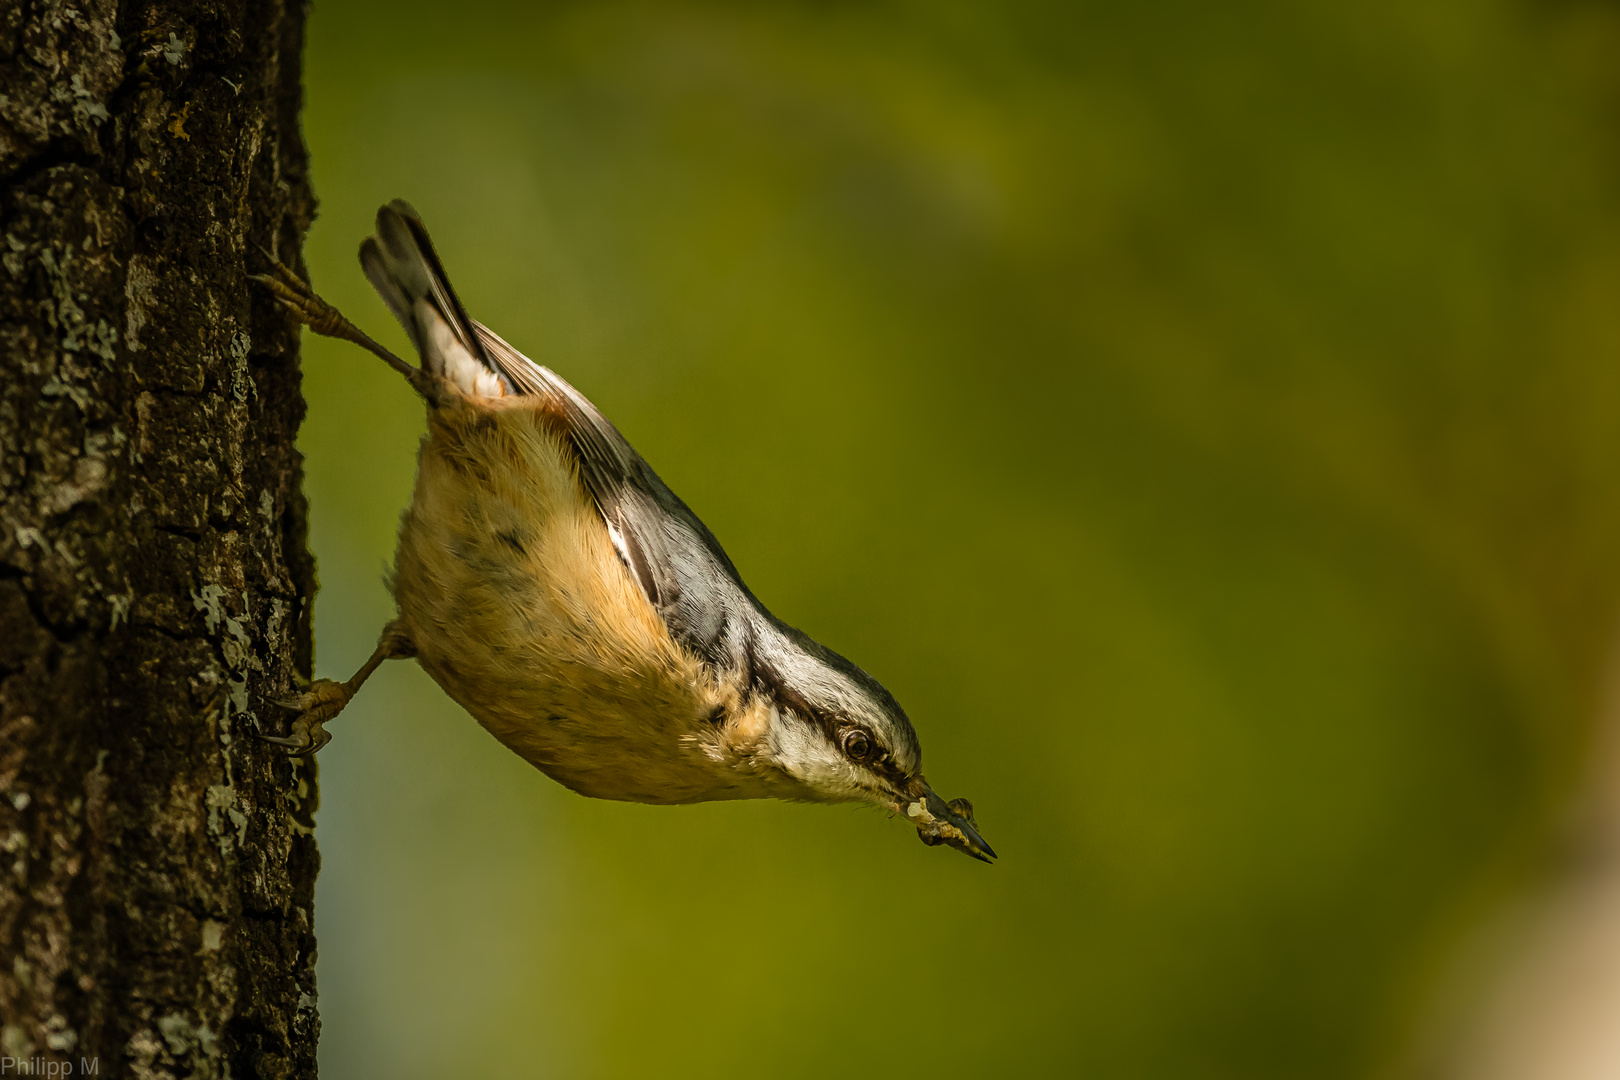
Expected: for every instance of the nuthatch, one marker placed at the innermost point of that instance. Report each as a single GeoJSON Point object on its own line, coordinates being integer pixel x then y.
{"type": "Point", "coordinates": [551, 583]}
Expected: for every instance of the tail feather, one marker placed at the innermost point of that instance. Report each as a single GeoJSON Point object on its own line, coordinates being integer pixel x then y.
{"type": "Point", "coordinates": [407, 274]}
{"type": "Point", "coordinates": [376, 268]}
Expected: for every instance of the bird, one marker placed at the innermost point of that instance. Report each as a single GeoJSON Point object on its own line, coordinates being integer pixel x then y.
{"type": "Point", "coordinates": [556, 589]}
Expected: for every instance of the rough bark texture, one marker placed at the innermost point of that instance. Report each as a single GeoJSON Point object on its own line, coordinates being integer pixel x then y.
{"type": "Point", "coordinates": [156, 864]}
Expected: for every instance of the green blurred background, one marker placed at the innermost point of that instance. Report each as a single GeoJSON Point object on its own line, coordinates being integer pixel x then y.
{"type": "Point", "coordinates": [1204, 418]}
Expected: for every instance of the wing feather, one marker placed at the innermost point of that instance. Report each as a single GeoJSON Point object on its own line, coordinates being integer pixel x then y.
{"type": "Point", "coordinates": [672, 556]}
{"type": "Point", "coordinates": [681, 567]}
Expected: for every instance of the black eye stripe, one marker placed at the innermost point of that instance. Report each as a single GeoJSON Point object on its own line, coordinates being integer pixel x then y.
{"type": "Point", "coordinates": [878, 758]}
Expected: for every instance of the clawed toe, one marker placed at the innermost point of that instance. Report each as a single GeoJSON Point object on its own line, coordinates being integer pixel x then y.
{"type": "Point", "coordinates": [302, 743]}
{"type": "Point", "coordinates": [296, 296]}
{"type": "Point", "coordinates": [309, 309]}
{"type": "Point", "coordinates": [324, 700]}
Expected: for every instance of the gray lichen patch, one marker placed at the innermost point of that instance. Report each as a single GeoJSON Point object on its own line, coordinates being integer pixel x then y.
{"type": "Point", "coordinates": [175, 51]}
{"type": "Point", "coordinates": [222, 801]}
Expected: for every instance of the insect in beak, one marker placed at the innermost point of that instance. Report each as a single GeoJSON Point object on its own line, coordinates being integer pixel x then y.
{"type": "Point", "coordinates": [941, 822]}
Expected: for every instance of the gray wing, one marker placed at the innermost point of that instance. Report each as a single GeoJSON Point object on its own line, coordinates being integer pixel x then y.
{"type": "Point", "coordinates": [676, 560]}
{"type": "Point", "coordinates": [671, 554]}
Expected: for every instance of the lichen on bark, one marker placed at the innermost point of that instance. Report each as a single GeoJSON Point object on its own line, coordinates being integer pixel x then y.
{"type": "Point", "coordinates": [156, 862]}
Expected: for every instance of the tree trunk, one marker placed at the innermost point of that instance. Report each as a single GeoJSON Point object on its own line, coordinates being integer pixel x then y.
{"type": "Point", "coordinates": [156, 861]}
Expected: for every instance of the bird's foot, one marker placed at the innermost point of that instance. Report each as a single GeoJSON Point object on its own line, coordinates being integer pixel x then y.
{"type": "Point", "coordinates": [323, 701]}
{"type": "Point", "coordinates": [292, 293]}
{"type": "Point", "coordinates": [297, 297]}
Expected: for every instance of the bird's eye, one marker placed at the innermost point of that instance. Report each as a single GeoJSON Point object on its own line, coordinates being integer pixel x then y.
{"type": "Point", "coordinates": [857, 745]}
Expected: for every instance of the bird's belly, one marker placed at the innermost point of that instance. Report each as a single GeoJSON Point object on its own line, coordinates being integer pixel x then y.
{"type": "Point", "coordinates": [510, 589]}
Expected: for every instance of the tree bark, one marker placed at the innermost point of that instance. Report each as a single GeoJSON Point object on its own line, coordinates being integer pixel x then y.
{"type": "Point", "coordinates": [156, 862]}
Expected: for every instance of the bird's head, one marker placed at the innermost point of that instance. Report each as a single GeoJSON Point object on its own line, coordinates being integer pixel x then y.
{"type": "Point", "coordinates": [836, 735]}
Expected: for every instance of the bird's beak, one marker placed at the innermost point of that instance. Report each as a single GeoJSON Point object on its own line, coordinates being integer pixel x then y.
{"type": "Point", "coordinates": [941, 822]}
